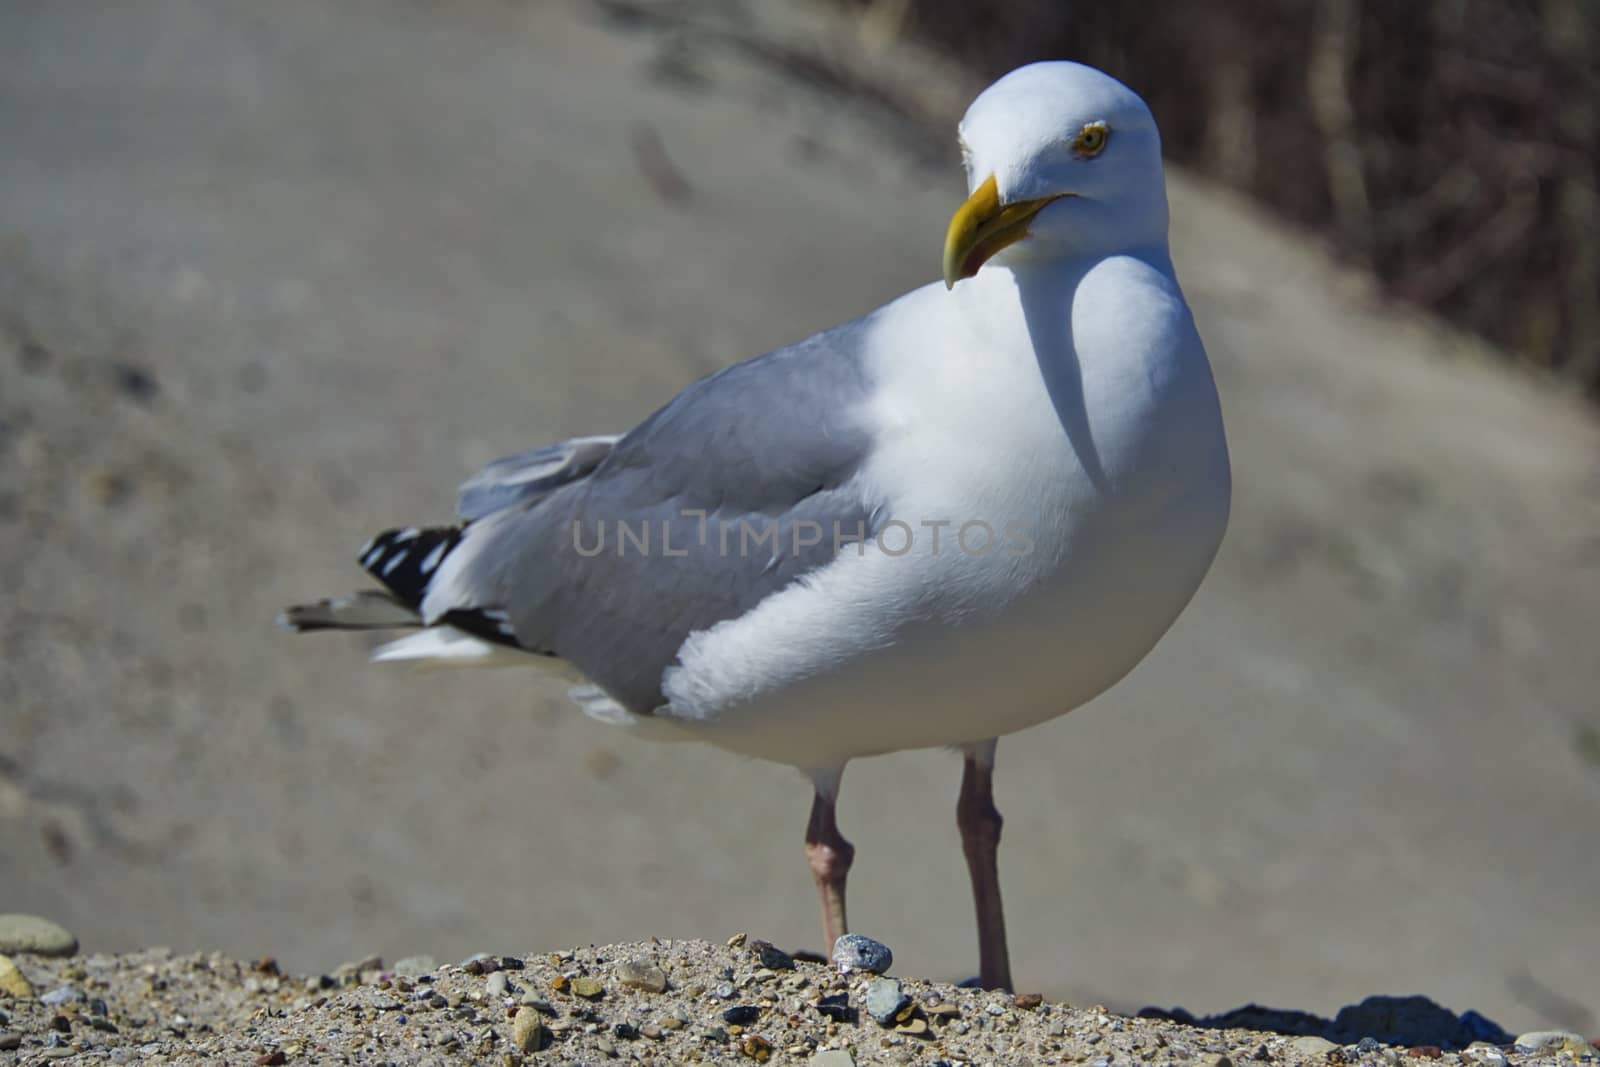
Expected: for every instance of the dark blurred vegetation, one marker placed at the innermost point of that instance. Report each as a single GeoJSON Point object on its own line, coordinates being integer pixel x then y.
{"type": "Point", "coordinates": [1450, 146]}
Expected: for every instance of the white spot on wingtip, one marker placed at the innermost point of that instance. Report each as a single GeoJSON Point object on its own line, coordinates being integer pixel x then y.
{"type": "Point", "coordinates": [394, 562]}
{"type": "Point", "coordinates": [405, 535]}
{"type": "Point", "coordinates": [431, 560]}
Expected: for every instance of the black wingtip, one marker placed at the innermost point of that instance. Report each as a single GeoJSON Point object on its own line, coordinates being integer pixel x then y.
{"type": "Point", "coordinates": [406, 559]}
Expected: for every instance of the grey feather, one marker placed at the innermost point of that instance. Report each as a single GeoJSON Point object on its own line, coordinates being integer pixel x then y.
{"type": "Point", "coordinates": [526, 476]}
{"type": "Point", "coordinates": [699, 509]}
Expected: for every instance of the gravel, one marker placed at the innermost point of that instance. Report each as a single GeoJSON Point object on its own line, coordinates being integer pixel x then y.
{"type": "Point", "coordinates": [653, 1002]}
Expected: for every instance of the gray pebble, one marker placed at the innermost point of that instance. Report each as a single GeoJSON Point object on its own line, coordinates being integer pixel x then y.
{"type": "Point", "coordinates": [10, 1040]}
{"type": "Point", "coordinates": [62, 995]}
{"type": "Point", "coordinates": [723, 991]}
{"type": "Point", "coordinates": [831, 1057]}
{"type": "Point", "coordinates": [496, 984]}
{"type": "Point", "coordinates": [774, 957]}
{"type": "Point", "coordinates": [884, 1000]}
{"type": "Point", "coordinates": [1313, 1046]}
{"type": "Point", "coordinates": [31, 935]}
{"type": "Point", "coordinates": [415, 966]}
{"type": "Point", "coordinates": [1486, 1054]}
{"type": "Point", "coordinates": [855, 952]}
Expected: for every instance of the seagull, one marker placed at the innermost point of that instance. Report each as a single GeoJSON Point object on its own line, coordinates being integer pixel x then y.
{"type": "Point", "coordinates": [964, 514]}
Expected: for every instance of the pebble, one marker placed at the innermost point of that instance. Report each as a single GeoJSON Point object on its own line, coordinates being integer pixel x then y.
{"type": "Point", "coordinates": [10, 1040]}
{"type": "Point", "coordinates": [12, 980]}
{"type": "Point", "coordinates": [528, 1031]}
{"type": "Point", "coordinates": [1312, 1045]}
{"type": "Point", "coordinates": [641, 973]}
{"type": "Point", "coordinates": [31, 935]}
{"type": "Point", "coordinates": [885, 1000]}
{"type": "Point", "coordinates": [587, 988]}
{"type": "Point", "coordinates": [772, 956]}
{"type": "Point", "coordinates": [1486, 1054]}
{"type": "Point", "coordinates": [1215, 1059]}
{"type": "Point", "coordinates": [1553, 1041]}
{"type": "Point", "coordinates": [62, 995]}
{"type": "Point", "coordinates": [496, 984]}
{"type": "Point", "coordinates": [415, 966]}
{"type": "Point", "coordinates": [855, 952]}
{"type": "Point", "coordinates": [831, 1057]}
{"type": "Point", "coordinates": [837, 1007]}
{"type": "Point", "coordinates": [741, 1015]}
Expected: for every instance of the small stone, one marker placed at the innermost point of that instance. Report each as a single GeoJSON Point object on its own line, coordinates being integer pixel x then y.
{"type": "Point", "coordinates": [1309, 1045]}
{"type": "Point", "coordinates": [60, 995]}
{"type": "Point", "coordinates": [1551, 1042]}
{"type": "Point", "coordinates": [1028, 1000]}
{"type": "Point", "coordinates": [12, 980]}
{"type": "Point", "coordinates": [415, 966]}
{"type": "Point", "coordinates": [885, 999]}
{"type": "Point", "coordinates": [31, 935]}
{"type": "Point", "coordinates": [757, 1048]}
{"type": "Point", "coordinates": [855, 952]}
{"type": "Point", "coordinates": [496, 985]}
{"type": "Point", "coordinates": [626, 1031]}
{"type": "Point", "coordinates": [587, 988]}
{"type": "Point", "coordinates": [1216, 1059]}
{"type": "Point", "coordinates": [1425, 1052]}
{"type": "Point", "coordinates": [831, 1057]}
{"type": "Point", "coordinates": [836, 1006]}
{"type": "Point", "coordinates": [10, 1041]}
{"type": "Point", "coordinates": [724, 991]}
{"type": "Point", "coordinates": [916, 1026]}
{"type": "Point", "coordinates": [641, 973]}
{"type": "Point", "coordinates": [1486, 1054]}
{"type": "Point", "coordinates": [673, 1022]}
{"type": "Point", "coordinates": [772, 956]}
{"type": "Point", "coordinates": [736, 940]}
{"type": "Point", "coordinates": [741, 1015]}
{"type": "Point", "coordinates": [272, 1059]}
{"type": "Point", "coordinates": [528, 1031]}
{"type": "Point", "coordinates": [943, 1010]}
{"type": "Point", "coordinates": [652, 1031]}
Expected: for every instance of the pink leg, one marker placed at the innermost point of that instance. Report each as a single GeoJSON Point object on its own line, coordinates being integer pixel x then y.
{"type": "Point", "coordinates": [830, 856]}
{"type": "Point", "coordinates": [980, 838]}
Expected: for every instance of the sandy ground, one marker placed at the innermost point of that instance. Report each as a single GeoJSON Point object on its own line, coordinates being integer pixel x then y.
{"type": "Point", "coordinates": [671, 1002]}
{"type": "Point", "coordinates": [272, 279]}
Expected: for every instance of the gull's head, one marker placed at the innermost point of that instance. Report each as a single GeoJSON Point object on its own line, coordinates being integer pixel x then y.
{"type": "Point", "coordinates": [1062, 161]}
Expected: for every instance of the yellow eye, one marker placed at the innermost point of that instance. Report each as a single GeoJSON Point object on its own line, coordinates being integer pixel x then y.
{"type": "Point", "coordinates": [1091, 140]}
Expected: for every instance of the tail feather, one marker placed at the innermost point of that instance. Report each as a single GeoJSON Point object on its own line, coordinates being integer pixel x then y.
{"type": "Point", "coordinates": [406, 560]}
{"type": "Point", "coordinates": [370, 609]}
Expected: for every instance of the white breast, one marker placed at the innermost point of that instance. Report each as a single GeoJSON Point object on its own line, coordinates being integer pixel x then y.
{"type": "Point", "coordinates": [1046, 527]}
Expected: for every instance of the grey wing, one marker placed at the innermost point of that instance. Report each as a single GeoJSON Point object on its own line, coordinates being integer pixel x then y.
{"type": "Point", "coordinates": [739, 486]}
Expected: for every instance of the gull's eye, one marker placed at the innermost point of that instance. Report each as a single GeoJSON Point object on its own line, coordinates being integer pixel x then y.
{"type": "Point", "coordinates": [1091, 140]}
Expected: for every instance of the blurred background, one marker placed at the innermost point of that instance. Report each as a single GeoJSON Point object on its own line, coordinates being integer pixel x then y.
{"type": "Point", "coordinates": [274, 278]}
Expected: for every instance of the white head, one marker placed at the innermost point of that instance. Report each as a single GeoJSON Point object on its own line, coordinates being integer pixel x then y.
{"type": "Point", "coordinates": [1062, 161]}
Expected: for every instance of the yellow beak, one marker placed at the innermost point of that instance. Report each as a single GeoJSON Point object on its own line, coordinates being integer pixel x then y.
{"type": "Point", "coordinates": [983, 226]}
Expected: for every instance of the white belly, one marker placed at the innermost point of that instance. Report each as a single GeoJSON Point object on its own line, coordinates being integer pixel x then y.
{"type": "Point", "coordinates": [1105, 517]}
